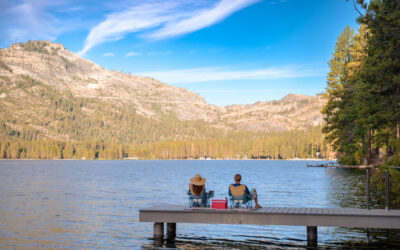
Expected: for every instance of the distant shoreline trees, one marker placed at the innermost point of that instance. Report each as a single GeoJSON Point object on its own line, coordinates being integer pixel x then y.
{"type": "Point", "coordinates": [308, 143]}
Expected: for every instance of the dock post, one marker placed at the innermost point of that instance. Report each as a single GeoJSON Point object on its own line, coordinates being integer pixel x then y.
{"type": "Point", "coordinates": [367, 199]}
{"type": "Point", "coordinates": [312, 236]}
{"type": "Point", "coordinates": [386, 190]}
{"type": "Point", "coordinates": [171, 231]}
{"type": "Point", "coordinates": [159, 231]}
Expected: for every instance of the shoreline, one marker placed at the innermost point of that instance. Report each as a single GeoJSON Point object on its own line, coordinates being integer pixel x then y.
{"type": "Point", "coordinates": [322, 160]}
{"type": "Point", "coordinates": [341, 166]}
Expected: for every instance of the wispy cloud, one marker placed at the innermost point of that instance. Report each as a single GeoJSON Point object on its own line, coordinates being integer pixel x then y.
{"type": "Point", "coordinates": [160, 20]}
{"type": "Point", "coordinates": [222, 74]}
{"type": "Point", "coordinates": [109, 54]}
{"type": "Point", "coordinates": [200, 19]}
{"type": "Point", "coordinates": [134, 19]}
{"type": "Point", "coordinates": [23, 20]}
{"type": "Point", "coordinates": [129, 54]}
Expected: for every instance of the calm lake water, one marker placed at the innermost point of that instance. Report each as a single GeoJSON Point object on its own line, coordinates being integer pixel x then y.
{"type": "Point", "coordinates": [94, 204]}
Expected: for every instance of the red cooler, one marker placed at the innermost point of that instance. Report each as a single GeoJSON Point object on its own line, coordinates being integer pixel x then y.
{"type": "Point", "coordinates": [219, 204]}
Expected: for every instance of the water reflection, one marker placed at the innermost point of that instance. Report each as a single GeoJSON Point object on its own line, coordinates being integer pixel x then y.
{"type": "Point", "coordinates": [346, 187]}
{"type": "Point", "coordinates": [94, 204]}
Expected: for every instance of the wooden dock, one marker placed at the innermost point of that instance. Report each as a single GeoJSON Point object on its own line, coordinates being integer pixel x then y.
{"type": "Point", "coordinates": [291, 216]}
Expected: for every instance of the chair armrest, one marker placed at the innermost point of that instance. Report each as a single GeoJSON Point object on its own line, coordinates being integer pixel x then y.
{"type": "Point", "coordinates": [249, 196]}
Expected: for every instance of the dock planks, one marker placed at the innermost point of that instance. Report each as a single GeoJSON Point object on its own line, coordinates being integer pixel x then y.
{"type": "Point", "coordinates": [294, 216]}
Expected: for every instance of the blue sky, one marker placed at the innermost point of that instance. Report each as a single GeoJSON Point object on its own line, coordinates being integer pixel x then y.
{"type": "Point", "coordinates": [228, 51]}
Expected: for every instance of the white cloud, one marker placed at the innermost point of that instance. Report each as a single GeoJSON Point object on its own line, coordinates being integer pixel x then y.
{"type": "Point", "coordinates": [108, 54]}
{"type": "Point", "coordinates": [136, 18]}
{"type": "Point", "coordinates": [160, 20]}
{"type": "Point", "coordinates": [221, 74]}
{"type": "Point", "coordinates": [200, 19]}
{"type": "Point", "coordinates": [23, 20]}
{"type": "Point", "coordinates": [129, 54]}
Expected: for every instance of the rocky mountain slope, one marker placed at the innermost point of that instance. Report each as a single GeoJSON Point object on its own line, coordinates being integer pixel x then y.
{"type": "Point", "coordinates": [49, 92]}
{"type": "Point", "coordinates": [61, 69]}
{"type": "Point", "coordinates": [291, 112]}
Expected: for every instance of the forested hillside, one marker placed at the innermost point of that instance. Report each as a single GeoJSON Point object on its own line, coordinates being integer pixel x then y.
{"type": "Point", "coordinates": [40, 112]}
{"type": "Point", "coordinates": [55, 104]}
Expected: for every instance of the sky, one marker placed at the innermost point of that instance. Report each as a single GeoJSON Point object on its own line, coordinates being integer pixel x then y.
{"type": "Point", "coordinates": [227, 51]}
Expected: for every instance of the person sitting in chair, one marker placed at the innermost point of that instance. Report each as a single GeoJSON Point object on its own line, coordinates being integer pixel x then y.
{"type": "Point", "coordinates": [197, 192]}
{"type": "Point", "coordinates": [238, 189]}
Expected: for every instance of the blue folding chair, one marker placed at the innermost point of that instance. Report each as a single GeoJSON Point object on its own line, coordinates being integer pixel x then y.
{"type": "Point", "coordinates": [202, 200]}
{"type": "Point", "coordinates": [238, 197]}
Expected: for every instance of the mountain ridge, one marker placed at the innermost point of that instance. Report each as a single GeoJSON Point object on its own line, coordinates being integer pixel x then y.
{"type": "Point", "coordinates": [33, 73]}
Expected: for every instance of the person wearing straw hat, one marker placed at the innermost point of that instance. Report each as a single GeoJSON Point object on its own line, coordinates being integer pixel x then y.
{"type": "Point", "coordinates": [197, 189]}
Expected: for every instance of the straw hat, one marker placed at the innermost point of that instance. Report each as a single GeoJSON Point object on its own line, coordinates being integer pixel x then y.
{"type": "Point", "coordinates": [198, 180]}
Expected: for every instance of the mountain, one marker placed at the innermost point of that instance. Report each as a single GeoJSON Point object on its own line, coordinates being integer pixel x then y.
{"type": "Point", "coordinates": [48, 92]}
{"type": "Point", "coordinates": [291, 112]}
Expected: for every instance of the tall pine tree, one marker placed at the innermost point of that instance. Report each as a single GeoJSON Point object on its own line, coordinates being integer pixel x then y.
{"type": "Point", "coordinates": [340, 113]}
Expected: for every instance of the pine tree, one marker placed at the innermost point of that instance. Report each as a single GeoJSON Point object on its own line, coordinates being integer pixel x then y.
{"type": "Point", "coordinates": [380, 75]}
{"type": "Point", "coordinates": [340, 114]}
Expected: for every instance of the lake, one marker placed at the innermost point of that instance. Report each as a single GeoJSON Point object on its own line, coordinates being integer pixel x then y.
{"type": "Point", "coordinates": [94, 204]}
